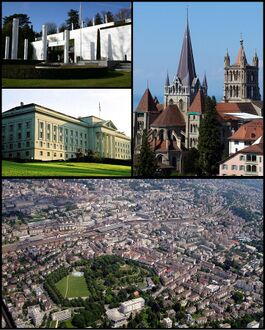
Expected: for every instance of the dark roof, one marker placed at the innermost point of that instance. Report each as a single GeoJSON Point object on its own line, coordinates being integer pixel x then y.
{"type": "Point", "coordinates": [186, 69]}
{"type": "Point", "coordinates": [170, 117]}
{"type": "Point", "coordinates": [146, 103]}
{"type": "Point", "coordinates": [198, 103]}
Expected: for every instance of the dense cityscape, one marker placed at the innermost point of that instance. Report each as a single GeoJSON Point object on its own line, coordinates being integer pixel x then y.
{"type": "Point", "coordinates": [148, 253]}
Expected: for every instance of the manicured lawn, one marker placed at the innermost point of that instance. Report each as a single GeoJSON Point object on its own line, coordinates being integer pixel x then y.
{"type": "Point", "coordinates": [113, 79]}
{"type": "Point", "coordinates": [73, 286]}
{"type": "Point", "coordinates": [53, 324]}
{"type": "Point", "coordinates": [63, 169]}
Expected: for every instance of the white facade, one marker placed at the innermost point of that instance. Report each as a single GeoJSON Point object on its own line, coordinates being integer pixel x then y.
{"type": "Point", "coordinates": [132, 305]}
{"type": "Point", "coordinates": [35, 132]}
{"type": "Point", "coordinates": [115, 42]}
{"type": "Point", "coordinates": [235, 146]}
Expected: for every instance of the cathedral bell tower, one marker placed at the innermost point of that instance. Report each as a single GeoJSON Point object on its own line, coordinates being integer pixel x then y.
{"type": "Point", "coordinates": [241, 81]}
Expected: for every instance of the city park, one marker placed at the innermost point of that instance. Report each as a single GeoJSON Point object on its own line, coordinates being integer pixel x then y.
{"type": "Point", "coordinates": [93, 56]}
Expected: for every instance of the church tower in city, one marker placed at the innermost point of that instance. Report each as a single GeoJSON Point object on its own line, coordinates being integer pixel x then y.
{"type": "Point", "coordinates": [241, 80]}
{"type": "Point", "coordinates": [185, 84]}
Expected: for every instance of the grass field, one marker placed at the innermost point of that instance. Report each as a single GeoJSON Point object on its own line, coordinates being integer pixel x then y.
{"type": "Point", "coordinates": [73, 286]}
{"type": "Point", "coordinates": [113, 79]}
{"type": "Point", "coordinates": [63, 169]}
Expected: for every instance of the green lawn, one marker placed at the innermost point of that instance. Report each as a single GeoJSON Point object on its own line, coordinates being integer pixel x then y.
{"type": "Point", "coordinates": [113, 79]}
{"type": "Point", "coordinates": [73, 286]}
{"type": "Point", "coordinates": [63, 169]}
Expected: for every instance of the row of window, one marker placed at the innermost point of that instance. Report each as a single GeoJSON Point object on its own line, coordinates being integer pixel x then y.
{"type": "Point", "coordinates": [19, 136]}
{"type": "Point", "coordinates": [250, 158]}
{"type": "Point", "coordinates": [11, 127]}
{"type": "Point", "coordinates": [248, 168]}
{"type": "Point", "coordinates": [12, 146]}
{"type": "Point", "coordinates": [50, 145]}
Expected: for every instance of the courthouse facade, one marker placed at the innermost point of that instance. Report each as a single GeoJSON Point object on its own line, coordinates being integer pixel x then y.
{"type": "Point", "coordinates": [34, 132]}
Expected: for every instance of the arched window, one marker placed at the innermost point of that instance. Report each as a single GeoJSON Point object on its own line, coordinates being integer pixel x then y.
{"type": "Point", "coordinates": [230, 91]}
{"type": "Point", "coordinates": [159, 159]}
{"type": "Point", "coordinates": [174, 161]}
{"type": "Point", "coordinates": [169, 134]}
{"type": "Point", "coordinates": [180, 104]}
{"type": "Point", "coordinates": [254, 168]}
{"type": "Point", "coordinates": [161, 135]}
{"type": "Point", "coordinates": [248, 168]}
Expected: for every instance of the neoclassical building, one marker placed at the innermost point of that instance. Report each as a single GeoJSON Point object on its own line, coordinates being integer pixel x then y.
{"type": "Point", "coordinates": [35, 132]}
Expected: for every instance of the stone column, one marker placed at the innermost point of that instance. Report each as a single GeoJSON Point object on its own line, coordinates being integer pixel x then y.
{"type": "Point", "coordinates": [26, 44]}
{"type": "Point", "coordinates": [44, 42]}
{"type": "Point", "coordinates": [93, 21]}
{"type": "Point", "coordinates": [7, 48]}
{"type": "Point", "coordinates": [14, 38]}
{"type": "Point", "coordinates": [66, 46]}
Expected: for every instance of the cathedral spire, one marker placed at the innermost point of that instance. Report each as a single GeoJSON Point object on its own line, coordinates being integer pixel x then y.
{"type": "Point", "coordinates": [167, 80]}
{"type": "Point", "coordinates": [204, 84]}
{"type": "Point", "coordinates": [186, 69]}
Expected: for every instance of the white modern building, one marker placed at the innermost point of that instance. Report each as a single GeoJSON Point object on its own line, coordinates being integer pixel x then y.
{"type": "Point", "coordinates": [132, 305]}
{"type": "Point", "coordinates": [115, 43]}
{"type": "Point", "coordinates": [62, 315]}
{"type": "Point", "coordinates": [35, 132]}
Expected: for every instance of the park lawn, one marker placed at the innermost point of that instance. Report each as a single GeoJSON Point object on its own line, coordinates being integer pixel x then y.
{"type": "Point", "coordinates": [69, 324]}
{"type": "Point", "coordinates": [53, 324]}
{"type": "Point", "coordinates": [63, 169]}
{"type": "Point", "coordinates": [76, 286]}
{"type": "Point", "coordinates": [113, 79]}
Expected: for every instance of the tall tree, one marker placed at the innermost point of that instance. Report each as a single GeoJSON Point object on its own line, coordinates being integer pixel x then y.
{"type": "Point", "coordinates": [98, 19]}
{"type": "Point", "coordinates": [209, 146]}
{"type": "Point", "coordinates": [147, 164]}
{"type": "Point", "coordinates": [109, 15]}
{"type": "Point", "coordinates": [73, 18]}
{"type": "Point", "coordinates": [51, 27]}
{"type": "Point", "coordinates": [123, 14]}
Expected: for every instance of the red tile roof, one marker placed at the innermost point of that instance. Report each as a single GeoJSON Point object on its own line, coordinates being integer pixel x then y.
{"type": "Point", "coordinates": [198, 103]}
{"type": "Point", "coordinates": [146, 103]}
{"type": "Point", "coordinates": [230, 107]}
{"type": "Point", "coordinates": [250, 131]}
{"type": "Point", "coordinates": [170, 117]}
{"type": "Point", "coordinates": [254, 148]}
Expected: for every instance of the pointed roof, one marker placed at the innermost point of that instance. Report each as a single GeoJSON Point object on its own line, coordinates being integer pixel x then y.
{"type": "Point", "coordinates": [186, 69]}
{"type": "Point", "coordinates": [167, 80]}
{"type": "Point", "coordinates": [146, 103]}
{"type": "Point", "coordinates": [170, 117]}
{"type": "Point", "coordinates": [204, 83]}
{"type": "Point", "coordinates": [241, 53]}
{"type": "Point", "coordinates": [198, 103]}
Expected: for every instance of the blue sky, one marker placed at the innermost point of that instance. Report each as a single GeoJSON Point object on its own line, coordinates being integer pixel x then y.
{"type": "Point", "coordinates": [215, 26]}
{"type": "Point", "coordinates": [56, 12]}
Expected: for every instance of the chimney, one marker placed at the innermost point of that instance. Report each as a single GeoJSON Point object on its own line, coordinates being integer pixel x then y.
{"type": "Point", "coordinates": [21, 104]}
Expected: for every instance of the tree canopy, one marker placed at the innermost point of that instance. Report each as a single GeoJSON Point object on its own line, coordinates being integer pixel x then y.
{"type": "Point", "coordinates": [209, 146]}
{"type": "Point", "coordinates": [147, 164]}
